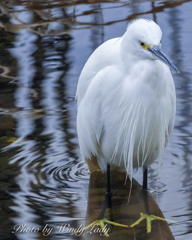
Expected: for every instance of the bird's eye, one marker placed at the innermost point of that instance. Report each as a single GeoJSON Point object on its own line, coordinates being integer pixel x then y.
{"type": "Point", "coordinates": [143, 45]}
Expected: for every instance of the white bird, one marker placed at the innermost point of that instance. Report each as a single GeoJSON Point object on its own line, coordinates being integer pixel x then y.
{"type": "Point", "coordinates": [126, 100]}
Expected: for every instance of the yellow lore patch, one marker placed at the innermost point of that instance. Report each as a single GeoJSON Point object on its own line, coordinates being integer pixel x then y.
{"type": "Point", "coordinates": [145, 45]}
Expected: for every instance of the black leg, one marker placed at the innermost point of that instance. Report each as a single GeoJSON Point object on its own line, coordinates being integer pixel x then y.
{"type": "Point", "coordinates": [108, 193]}
{"type": "Point", "coordinates": [146, 202]}
{"type": "Point", "coordinates": [145, 170]}
{"type": "Point", "coordinates": [145, 193]}
{"type": "Point", "coordinates": [107, 201]}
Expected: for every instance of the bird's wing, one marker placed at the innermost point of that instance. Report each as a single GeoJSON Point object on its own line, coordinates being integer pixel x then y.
{"type": "Point", "coordinates": [89, 124]}
{"type": "Point", "coordinates": [103, 56]}
{"type": "Point", "coordinates": [93, 107]}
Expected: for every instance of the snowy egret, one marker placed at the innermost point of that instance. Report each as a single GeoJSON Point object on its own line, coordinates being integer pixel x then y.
{"type": "Point", "coordinates": [126, 101]}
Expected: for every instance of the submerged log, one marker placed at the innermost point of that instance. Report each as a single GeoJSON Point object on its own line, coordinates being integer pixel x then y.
{"type": "Point", "coordinates": [126, 209]}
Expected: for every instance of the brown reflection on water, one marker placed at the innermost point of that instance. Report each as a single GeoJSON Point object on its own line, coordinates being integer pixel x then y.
{"type": "Point", "coordinates": [43, 15]}
{"type": "Point", "coordinates": [157, 9]}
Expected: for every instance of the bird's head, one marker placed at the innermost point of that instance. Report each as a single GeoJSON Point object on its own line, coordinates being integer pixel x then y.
{"type": "Point", "coordinates": [144, 40]}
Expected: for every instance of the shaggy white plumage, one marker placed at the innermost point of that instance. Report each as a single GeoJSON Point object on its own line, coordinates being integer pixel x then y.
{"type": "Point", "coordinates": [126, 99]}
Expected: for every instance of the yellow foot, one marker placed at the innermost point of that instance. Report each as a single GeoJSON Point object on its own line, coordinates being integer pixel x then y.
{"type": "Point", "coordinates": [149, 219]}
{"type": "Point", "coordinates": [102, 225]}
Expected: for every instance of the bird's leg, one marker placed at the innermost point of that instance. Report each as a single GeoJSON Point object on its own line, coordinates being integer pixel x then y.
{"type": "Point", "coordinates": [107, 204]}
{"type": "Point", "coordinates": [108, 193]}
{"type": "Point", "coordinates": [145, 171]}
{"type": "Point", "coordinates": [107, 201]}
{"type": "Point", "coordinates": [149, 218]}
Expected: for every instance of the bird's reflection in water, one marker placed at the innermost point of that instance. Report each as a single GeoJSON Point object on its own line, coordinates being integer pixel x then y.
{"type": "Point", "coordinates": [122, 211]}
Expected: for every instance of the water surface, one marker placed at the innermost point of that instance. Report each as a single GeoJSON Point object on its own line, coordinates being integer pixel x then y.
{"type": "Point", "coordinates": [44, 46]}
